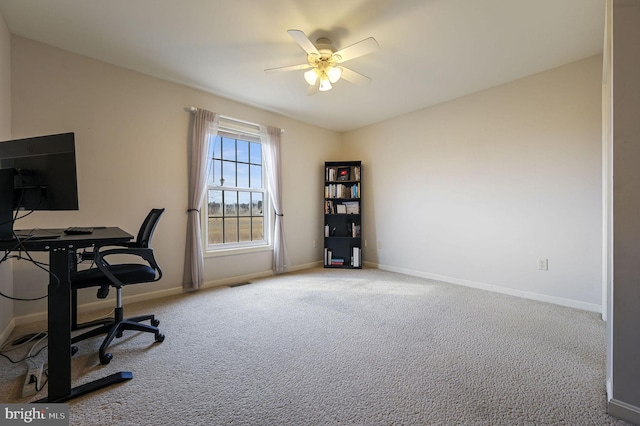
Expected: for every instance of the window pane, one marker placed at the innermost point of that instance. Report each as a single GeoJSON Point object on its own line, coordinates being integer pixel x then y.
{"type": "Point", "coordinates": [231, 230]}
{"type": "Point", "coordinates": [257, 228]}
{"type": "Point", "coordinates": [243, 176]}
{"type": "Point", "coordinates": [244, 203]}
{"type": "Point", "coordinates": [228, 149]}
{"type": "Point", "coordinates": [215, 172]}
{"type": "Point", "coordinates": [229, 173]}
{"type": "Point", "coordinates": [256, 177]}
{"type": "Point", "coordinates": [255, 153]}
{"type": "Point", "coordinates": [242, 151]}
{"type": "Point", "coordinates": [215, 230]}
{"type": "Point", "coordinates": [256, 204]}
{"type": "Point", "coordinates": [215, 203]}
{"type": "Point", "coordinates": [245, 229]}
{"type": "Point", "coordinates": [230, 203]}
{"type": "Point", "coordinates": [235, 169]}
{"type": "Point", "coordinates": [216, 148]}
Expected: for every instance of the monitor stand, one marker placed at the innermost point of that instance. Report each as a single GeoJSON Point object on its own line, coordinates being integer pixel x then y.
{"type": "Point", "coordinates": [6, 204]}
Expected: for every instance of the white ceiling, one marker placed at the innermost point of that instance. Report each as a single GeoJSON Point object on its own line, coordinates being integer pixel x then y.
{"type": "Point", "coordinates": [431, 51]}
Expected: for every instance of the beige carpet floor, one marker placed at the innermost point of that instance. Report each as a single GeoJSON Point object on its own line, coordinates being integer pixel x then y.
{"type": "Point", "coordinates": [345, 347]}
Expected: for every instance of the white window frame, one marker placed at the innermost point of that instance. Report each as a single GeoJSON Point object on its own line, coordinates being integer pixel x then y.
{"type": "Point", "coordinates": [239, 130]}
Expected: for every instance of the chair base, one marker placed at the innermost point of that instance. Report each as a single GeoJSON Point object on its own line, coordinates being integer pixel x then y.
{"type": "Point", "coordinates": [114, 328]}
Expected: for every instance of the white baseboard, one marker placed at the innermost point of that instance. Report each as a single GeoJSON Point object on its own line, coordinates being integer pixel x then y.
{"type": "Point", "coordinates": [624, 411]}
{"type": "Point", "coordinates": [263, 274]}
{"type": "Point", "coordinates": [494, 288]}
{"type": "Point", "coordinates": [302, 267]}
{"type": "Point", "coordinates": [7, 331]}
{"type": "Point", "coordinates": [236, 279]}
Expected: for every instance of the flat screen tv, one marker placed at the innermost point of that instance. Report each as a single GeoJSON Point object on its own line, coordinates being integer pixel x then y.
{"type": "Point", "coordinates": [37, 173]}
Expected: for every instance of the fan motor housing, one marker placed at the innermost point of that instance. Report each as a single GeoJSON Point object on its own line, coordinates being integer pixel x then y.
{"type": "Point", "coordinates": [326, 50]}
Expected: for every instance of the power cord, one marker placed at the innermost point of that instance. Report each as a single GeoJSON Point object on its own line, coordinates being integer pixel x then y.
{"type": "Point", "coordinates": [10, 347]}
{"type": "Point", "coordinates": [21, 248]}
{"type": "Point", "coordinates": [44, 382]}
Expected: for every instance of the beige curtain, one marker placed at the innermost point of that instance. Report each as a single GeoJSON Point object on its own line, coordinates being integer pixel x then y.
{"type": "Point", "coordinates": [270, 137]}
{"type": "Point", "coordinates": [205, 128]}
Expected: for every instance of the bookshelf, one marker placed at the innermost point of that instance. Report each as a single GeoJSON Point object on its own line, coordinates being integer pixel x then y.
{"type": "Point", "coordinates": [342, 214]}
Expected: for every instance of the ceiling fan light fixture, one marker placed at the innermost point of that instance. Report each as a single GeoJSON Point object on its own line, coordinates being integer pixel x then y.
{"type": "Point", "coordinates": [325, 84]}
{"type": "Point", "coordinates": [334, 74]}
{"type": "Point", "coordinates": [311, 76]}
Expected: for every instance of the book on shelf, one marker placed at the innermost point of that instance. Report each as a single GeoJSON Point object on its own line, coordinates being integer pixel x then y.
{"type": "Point", "coordinates": [341, 190]}
{"type": "Point", "coordinates": [337, 261]}
{"type": "Point", "coordinates": [355, 170]}
{"type": "Point", "coordinates": [327, 256]}
{"type": "Point", "coordinates": [344, 207]}
{"type": "Point", "coordinates": [329, 207]}
{"type": "Point", "coordinates": [356, 256]}
{"type": "Point", "coordinates": [342, 173]}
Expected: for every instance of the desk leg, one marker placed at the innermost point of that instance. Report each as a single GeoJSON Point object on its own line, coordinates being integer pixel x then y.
{"type": "Point", "coordinates": [59, 315]}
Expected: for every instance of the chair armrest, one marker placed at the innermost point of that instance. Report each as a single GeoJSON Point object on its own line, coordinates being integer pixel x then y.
{"type": "Point", "coordinates": [91, 254]}
{"type": "Point", "coordinates": [144, 253]}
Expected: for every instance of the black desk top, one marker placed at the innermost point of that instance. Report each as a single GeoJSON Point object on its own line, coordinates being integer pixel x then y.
{"type": "Point", "coordinates": [100, 235]}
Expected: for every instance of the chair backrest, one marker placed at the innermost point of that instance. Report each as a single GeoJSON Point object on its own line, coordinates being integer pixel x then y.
{"type": "Point", "coordinates": [148, 226]}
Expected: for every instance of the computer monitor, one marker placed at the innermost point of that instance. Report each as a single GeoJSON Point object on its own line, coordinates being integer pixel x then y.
{"type": "Point", "coordinates": [36, 173]}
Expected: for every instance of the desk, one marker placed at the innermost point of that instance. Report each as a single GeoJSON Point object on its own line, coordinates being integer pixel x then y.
{"type": "Point", "coordinates": [61, 259]}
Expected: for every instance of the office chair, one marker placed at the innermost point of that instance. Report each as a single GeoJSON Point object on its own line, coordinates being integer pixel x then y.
{"type": "Point", "coordinates": [142, 240]}
{"type": "Point", "coordinates": [105, 275]}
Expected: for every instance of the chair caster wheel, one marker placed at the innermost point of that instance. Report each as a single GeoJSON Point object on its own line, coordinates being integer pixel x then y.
{"type": "Point", "coordinates": [74, 350]}
{"type": "Point", "coordinates": [160, 338]}
{"type": "Point", "coordinates": [155, 322]}
{"type": "Point", "coordinates": [106, 359]}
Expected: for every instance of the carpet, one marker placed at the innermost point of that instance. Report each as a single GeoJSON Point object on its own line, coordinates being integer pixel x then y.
{"type": "Point", "coordinates": [345, 347]}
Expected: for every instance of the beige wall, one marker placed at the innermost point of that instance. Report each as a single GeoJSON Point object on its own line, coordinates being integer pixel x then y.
{"type": "Point", "coordinates": [6, 275]}
{"type": "Point", "coordinates": [131, 132]}
{"type": "Point", "coordinates": [476, 190]}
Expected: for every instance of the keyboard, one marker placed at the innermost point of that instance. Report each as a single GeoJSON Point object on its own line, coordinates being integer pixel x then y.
{"type": "Point", "coordinates": [78, 230]}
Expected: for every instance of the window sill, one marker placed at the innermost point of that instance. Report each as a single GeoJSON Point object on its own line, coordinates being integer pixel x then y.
{"type": "Point", "coordinates": [233, 251]}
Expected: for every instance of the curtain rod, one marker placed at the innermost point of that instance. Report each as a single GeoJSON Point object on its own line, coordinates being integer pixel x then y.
{"type": "Point", "coordinates": [194, 109]}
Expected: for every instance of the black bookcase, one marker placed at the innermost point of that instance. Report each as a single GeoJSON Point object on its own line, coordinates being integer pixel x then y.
{"type": "Point", "coordinates": [342, 214]}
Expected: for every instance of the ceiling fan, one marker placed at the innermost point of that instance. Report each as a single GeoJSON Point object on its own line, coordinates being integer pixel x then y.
{"type": "Point", "coordinates": [324, 62]}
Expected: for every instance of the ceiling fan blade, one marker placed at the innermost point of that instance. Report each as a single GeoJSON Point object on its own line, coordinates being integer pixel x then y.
{"type": "Point", "coordinates": [312, 90]}
{"type": "Point", "coordinates": [354, 77]}
{"type": "Point", "coordinates": [304, 42]}
{"type": "Point", "coordinates": [289, 68]}
{"type": "Point", "coordinates": [361, 48]}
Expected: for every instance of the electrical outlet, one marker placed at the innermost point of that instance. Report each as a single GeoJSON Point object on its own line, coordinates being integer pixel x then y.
{"type": "Point", "coordinates": [31, 380]}
{"type": "Point", "coordinates": [379, 245]}
{"type": "Point", "coordinates": [315, 243]}
{"type": "Point", "coordinates": [543, 264]}
{"type": "Point", "coordinates": [365, 243]}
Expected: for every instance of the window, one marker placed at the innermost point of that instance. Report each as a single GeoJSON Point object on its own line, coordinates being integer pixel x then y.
{"type": "Point", "coordinates": [237, 214]}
